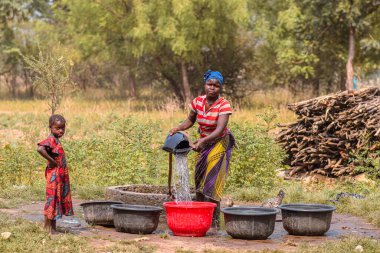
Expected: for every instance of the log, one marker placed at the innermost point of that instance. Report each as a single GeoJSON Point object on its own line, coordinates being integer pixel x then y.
{"type": "Point", "coordinates": [330, 129]}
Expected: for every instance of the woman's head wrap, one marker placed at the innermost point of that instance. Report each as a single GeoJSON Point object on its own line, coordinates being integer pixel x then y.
{"type": "Point", "coordinates": [213, 75]}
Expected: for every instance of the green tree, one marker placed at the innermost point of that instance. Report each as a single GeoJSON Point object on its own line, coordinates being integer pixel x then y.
{"type": "Point", "coordinates": [313, 41]}
{"type": "Point", "coordinates": [168, 41]}
{"type": "Point", "coordinates": [15, 35]}
{"type": "Point", "coordinates": [188, 30]}
{"type": "Point", "coordinates": [352, 20]}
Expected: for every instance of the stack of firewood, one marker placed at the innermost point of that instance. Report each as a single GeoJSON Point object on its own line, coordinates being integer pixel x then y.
{"type": "Point", "coordinates": [330, 130]}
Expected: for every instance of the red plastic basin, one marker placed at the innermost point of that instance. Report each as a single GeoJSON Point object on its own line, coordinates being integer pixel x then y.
{"type": "Point", "coordinates": [189, 218]}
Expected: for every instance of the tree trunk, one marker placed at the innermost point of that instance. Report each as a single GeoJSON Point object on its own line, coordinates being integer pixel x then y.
{"type": "Point", "coordinates": [329, 87]}
{"type": "Point", "coordinates": [117, 79]}
{"type": "Point", "coordinates": [185, 83]}
{"type": "Point", "coordinates": [316, 87]}
{"type": "Point", "coordinates": [28, 84]}
{"type": "Point", "coordinates": [342, 81]}
{"type": "Point", "coordinates": [132, 84]}
{"type": "Point", "coordinates": [13, 85]}
{"type": "Point", "coordinates": [351, 55]}
{"type": "Point", "coordinates": [173, 83]}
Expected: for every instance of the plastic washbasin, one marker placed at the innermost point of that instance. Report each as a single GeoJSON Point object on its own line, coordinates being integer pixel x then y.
{"type": "Point", "coordinates": [189, 218]}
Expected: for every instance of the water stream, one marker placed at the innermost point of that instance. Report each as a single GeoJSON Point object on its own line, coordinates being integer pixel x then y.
{"type": "Point", "coordinates": [181, 179]}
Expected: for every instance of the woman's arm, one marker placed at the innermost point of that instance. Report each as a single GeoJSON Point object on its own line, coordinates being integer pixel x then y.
{"type": "Point", "coordinates": [44, 154]}
{"type": "Point", "coordinates": [189, 122]}
{"type": "Point", "coordinates": [221, 125]}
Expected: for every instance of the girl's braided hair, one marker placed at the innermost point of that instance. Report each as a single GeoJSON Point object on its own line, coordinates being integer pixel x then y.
{"type": "Point", "coordinates": [56, 117]}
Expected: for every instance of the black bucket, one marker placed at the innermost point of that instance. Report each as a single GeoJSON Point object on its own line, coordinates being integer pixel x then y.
{"type": "Point", "coordinates": [136, 219]}
{"type": "Point", "coordinates": [176, 143]}
{"type": "Point", "coordinates": [306, 219]}
{"type": "Point", "coordinates": [249, 223]}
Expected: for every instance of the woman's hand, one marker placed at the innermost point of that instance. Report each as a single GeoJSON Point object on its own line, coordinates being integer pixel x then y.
{"type": "Point", "coordinates": [199, 145]}
{"type": "Point", "coordinates": [173, 130]}
{"type": "Point", "coordinates": [53, 164]}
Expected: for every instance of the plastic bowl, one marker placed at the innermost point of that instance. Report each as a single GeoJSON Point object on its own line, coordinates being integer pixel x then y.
{"type": "Point", "coordinates": [189, 218]}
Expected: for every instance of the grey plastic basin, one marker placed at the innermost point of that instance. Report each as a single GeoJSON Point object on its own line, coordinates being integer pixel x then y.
{"type": "Point", "coordinates": [136, 219]}
{"type": "Point", "coordinates": [251, 223]}
{"type": "Point", "coordinates": [99, 212]}
{"type": "Point", "coordinates": [306, 219]}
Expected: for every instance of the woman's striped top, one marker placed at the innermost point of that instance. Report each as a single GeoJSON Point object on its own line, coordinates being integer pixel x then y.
{"type": "Point", "coordinates": [208, 120]}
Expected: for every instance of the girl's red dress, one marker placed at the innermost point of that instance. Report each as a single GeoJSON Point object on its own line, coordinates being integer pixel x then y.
{"type": "Point", "coordinates": [58, 194]}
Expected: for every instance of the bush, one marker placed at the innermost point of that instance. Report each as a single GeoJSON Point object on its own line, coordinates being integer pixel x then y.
{"type": "Point", "coordinates": [128, 154]}
{"type": "Point", "coordinates": [18, 165]}
{"type": "Point", "coordinates": [255, 158]}
{"type": "Point", "coordinates": [367, 160]}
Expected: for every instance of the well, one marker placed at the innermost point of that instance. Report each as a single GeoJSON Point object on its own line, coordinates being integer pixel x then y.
{"type": "Point", "coordinates": [149, 195]}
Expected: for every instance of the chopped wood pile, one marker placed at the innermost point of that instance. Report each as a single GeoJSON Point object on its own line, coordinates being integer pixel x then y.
{"type": "Point", "coordinates": [330, 129]}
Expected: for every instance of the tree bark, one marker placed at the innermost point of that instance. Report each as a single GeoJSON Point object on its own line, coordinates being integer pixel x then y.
{"type": "Point", "coordinates": [13, 85]}
{"type": "Point", "coordinates": [28, 84]}
{"type": "Point", "coordinates": [117, 79]}
{"type": "Point", "coordinates": [132, 84]}
{"type": "Point", "coordinates": [351, 55]}
{"type": "Point", "coordinates": [342, 81]}
{"type": "Point", "coordinates": [173, 83]}
{"type": "Point", "coordinates": [185, 83]}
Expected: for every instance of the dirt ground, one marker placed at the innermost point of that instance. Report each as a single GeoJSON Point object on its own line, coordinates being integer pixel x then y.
{"type": "Point", "coordinates": [164, 241]}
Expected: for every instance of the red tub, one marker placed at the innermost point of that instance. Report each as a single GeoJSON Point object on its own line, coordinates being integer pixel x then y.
{"type": "Point", "coordinates": [189, 218]}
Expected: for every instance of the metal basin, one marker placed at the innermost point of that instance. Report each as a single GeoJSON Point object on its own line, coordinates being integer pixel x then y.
{"type": "Point", "coordinates": [136, 219]}
{"type": "Point", "coordinates": [99, 212]}
{"type": "Point", "coordinates": [306, 219]}
{"type": "Point", "coordinates": [252, 223]}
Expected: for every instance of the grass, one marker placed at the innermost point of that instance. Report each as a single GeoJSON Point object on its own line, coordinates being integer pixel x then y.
{"type": "Point", "coordinates": [89, 192]}
{"type": "Point", "coordinates": [134, 247]}
{"type": "Point", "coordinates": [30, 237]}
{"type": "Point", "coordinates": [11, 197]}
{"type": "Point", "coordinates": [345, 245]}
{"type": "Point", "coordinates": [184, 250]}
{"type": "Point", "coordinates": [17, 195]}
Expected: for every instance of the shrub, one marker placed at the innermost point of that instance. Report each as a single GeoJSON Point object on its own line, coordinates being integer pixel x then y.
{"type": "Point", "coordinates": [17, 165]}
{"type": "Point", "coordinates": [128, 154]}
{"type": "Point", "coordinates": [255, 158]}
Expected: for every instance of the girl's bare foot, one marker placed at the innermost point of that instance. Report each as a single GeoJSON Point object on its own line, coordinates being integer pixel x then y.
{"type": "Point", "coordinates": [54, 232]}
{"type": "Point", "coordinates": [54, 224]}
{"type": "Point", "coordinates": [51, 226]}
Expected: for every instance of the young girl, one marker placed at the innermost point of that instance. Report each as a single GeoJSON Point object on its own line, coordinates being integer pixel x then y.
{"type": "Point", "coordinates": [58, 196]}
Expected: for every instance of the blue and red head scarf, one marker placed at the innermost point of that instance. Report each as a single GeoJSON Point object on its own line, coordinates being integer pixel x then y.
{"type": "Point", "coordinates": [213, 75]}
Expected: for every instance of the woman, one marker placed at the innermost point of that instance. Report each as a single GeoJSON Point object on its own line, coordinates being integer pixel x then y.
{"type": "Point", "coordinates": [212, 113]}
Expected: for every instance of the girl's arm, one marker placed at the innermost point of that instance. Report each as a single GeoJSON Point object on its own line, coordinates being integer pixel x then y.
{"type": "Point", "coordinates": [221, 125]}
{"type": "Point", "coordinates": [189, 122]}
{"type": "Point", "coordinates": [44, 154]}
